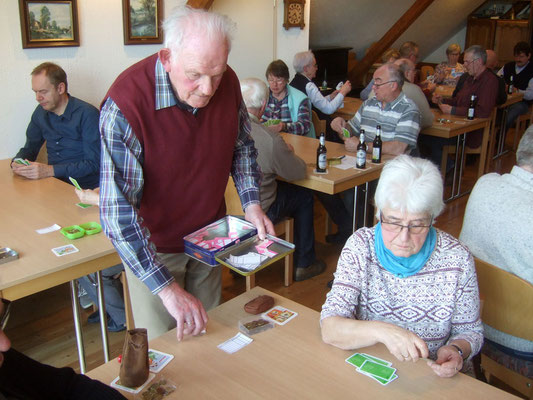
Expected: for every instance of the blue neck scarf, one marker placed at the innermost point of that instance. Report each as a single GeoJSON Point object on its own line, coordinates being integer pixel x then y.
{"type": "Point", "coordinates": [403, 267]}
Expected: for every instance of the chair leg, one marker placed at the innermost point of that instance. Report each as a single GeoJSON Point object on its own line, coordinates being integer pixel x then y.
{"type": "Point", "coordinates": [289, 260]}
{"type": "Point", "coordinates": [444, 161]}
{"type": "Point", "coordinates": [130, 322]}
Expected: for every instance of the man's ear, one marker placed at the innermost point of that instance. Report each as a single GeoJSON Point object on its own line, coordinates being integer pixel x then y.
{"type": "Point", "coordinates": [61, 88]}
{"type": "Point", "coordinates": [165, 56]}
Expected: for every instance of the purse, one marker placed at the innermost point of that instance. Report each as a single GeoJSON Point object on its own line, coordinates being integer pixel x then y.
{"type": "Point", "coordinates": [134, 369]}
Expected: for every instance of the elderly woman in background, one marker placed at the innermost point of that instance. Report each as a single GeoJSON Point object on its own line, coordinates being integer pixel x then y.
{"type": "Point", "coordinates": [287, 104]}
{"type": "Point", "coordinates": [403, 283]}
{"type": "Point", "coordinates": [448, 72]}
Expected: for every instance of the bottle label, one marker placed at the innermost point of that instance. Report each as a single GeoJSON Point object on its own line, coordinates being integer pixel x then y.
{"type": "Point", "coordinates": [470, 113]}
{"type": "Point", "coordinates": [322, 161]}
{"type": "Point", "coordinates": [376, 154]}
{"type": "Point", "coordinates": [361, 158]}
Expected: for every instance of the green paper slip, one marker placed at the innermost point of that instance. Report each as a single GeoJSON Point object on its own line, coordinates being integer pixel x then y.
{"type": "Point", "coordinates": [75, 183]}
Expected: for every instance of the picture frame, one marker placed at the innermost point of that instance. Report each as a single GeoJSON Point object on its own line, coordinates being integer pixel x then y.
{"type": "Point", "coordinates": [50, 23]}
{"type": "Point", "coordinates": [142, 21]}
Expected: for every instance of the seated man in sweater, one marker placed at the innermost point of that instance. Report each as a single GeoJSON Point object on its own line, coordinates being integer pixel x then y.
{"type": "Point", "coordinates": [24, 378]}
{"type": "Point", "coordinates": [519, 73]}
{"type": "Point", "coordinates": [282, 199]}
{"type": "Point", "coordinates": [68, 125]}
{"type": "Point", "coordinates": [481, 83]}
{"type": "Point", "coordinates": [305, 65]}
{"type": "Point", "coordinates": [286, 104]}
{"type": "Point", "coordinates": [497, 229]}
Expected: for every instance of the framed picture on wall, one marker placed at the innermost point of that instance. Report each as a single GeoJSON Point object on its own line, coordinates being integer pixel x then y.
{"type": "Point", "coordinates": [49, 23]}
{"type": "Point", "coordinates": [142, 21]}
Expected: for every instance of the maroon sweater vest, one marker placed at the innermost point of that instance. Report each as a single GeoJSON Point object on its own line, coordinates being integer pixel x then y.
{"type": "Point", "coordinates": [187, 158]}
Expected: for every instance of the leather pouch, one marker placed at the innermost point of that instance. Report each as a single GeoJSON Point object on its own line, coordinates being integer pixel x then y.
{"type": "Point", "coordinates": [259, 304]}
{"type": "Point", "coordinates": [134, 369]}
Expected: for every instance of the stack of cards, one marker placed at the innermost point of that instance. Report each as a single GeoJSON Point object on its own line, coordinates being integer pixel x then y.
{"type": "Point", "coordinates": [280, 315]}
{"type": "Point", "coordinates": [374, 367]}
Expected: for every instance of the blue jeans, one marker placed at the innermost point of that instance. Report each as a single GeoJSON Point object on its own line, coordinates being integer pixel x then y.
{"type": "Point", "coordinates": [513, 112]}
{"type": "Point", "coordinates": [114, 302]}
{"type": "Point", "coordinates": [296, 202]}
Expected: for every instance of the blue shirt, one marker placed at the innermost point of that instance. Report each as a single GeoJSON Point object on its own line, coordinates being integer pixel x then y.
{"type": "Point", "coordinates": [123, 182]}
{"type": "Point", "coordinates": [72, 141]}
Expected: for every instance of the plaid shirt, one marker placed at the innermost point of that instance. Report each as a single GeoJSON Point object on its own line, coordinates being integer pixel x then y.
{"type": "Point", "coordinates": [121, 182]}
{"type": "Point", "coordinates": [279, 109]}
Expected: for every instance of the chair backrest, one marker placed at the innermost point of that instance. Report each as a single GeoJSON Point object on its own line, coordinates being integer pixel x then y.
{"type": "Point", "coordinates": [233, 202]}
{"type": "Point", "coordinates": [425, 71]}
{"type": "Point", "coordinates": [320, 125]}
{"type": "Point", "coordinates": [507, 300]}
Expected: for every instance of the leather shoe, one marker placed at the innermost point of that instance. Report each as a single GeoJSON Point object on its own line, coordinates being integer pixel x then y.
{"type": "Point", "coordinates": [112, 326]}
{"type": "Point", "coordinates": [316, 268]}
{"type": "Point", "coordinates": [94, 317]}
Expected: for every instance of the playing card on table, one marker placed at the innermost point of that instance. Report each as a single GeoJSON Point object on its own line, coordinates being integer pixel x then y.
{"type": "Point", "coordinates": [116, 384]}
{"type": "Point", "coordinates": [64, 250]}
{"type": "Point", "coordinates": [381, 373]}
{"type": "Point", "coordinates": [158, 360]}
{"type": "Point", "coordinates": [358, 359]}
{"type": "Point", "coordinates": [280, 315]}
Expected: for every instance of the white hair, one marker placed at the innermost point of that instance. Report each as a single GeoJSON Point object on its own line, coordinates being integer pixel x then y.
{"type": "Point", "coordinates": [302, 60]}
{"type": "Point", "coordinates": [410, 185]}
{"type": "Point", "coordinates": [254, 92]}
{"type": "Point", "coordinates": [184, 21]}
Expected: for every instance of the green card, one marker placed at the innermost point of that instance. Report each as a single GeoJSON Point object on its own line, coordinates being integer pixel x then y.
{"type": "Point", "coordinates": [83, 205]}
{"type": "Point", "coordinates": [272, 122]}
{"type": "Point", "coordinates": [345, 132]}
{"type": "Point", "coordinates": [75, 183]}
{"type": "Point", "coordinates": [377, 370]}
{"type": "Point", "coordinates": [21, 161]}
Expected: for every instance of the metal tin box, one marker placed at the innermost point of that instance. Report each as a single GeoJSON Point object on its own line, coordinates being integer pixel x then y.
{"type": "Point", "coordinates": [7, 254]}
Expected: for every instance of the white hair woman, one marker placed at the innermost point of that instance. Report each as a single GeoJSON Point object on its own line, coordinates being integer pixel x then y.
{"type": "Point", "coordinates": [404, 283]}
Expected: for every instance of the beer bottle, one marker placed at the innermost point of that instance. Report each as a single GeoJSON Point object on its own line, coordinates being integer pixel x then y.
{"type": "Point", "coordinates": [376, 146]}
{"type": "Point", "coordinates": [360, 158]}
{"type": "Point", "coordinates": [510, 87]}
{"type": "Point", "coordinates": [470, 114]}
{"type": "Point", "coordinates": [321, 157]}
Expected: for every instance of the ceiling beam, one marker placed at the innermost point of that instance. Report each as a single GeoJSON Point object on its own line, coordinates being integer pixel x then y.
{"type": "Point", "coordinates": [377, 49]}
{"type": "Point", "coordinates": [205, 4]}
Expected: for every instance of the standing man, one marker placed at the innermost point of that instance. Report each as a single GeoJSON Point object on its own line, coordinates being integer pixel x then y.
{"type": "Point", "coordinates": [282, 199]}
{"type": "Point", "coordinates": [521, 70]}
{"type": "Point", "coordinates": [173, 128]}
{"type": "Point", "coordinates": [68, 125]}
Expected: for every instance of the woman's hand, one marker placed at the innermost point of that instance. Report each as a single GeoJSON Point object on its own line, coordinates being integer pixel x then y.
{"type": "Point", "coordinates": [89, 196]}
{"type": "Point", "coordinates": [449, 362]}
{"type": "Point", "coordinates": [402, 344]}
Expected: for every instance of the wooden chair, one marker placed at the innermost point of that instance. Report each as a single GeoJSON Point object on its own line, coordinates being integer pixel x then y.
{"type": "Point", "coordinates": [425, 71]}
{"type": "Point", "coordinates": [319, 124]}
{"type": "Point", "coordinates": [507, 305]}
{"type": "Point", "coordinates": [521, 126]}
{"type": "Point", "coordinates": [285, 227]}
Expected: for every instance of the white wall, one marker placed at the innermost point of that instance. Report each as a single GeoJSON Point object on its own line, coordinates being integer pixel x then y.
{"type": "Point", "coordinates": [92, 67]}
{"type": "Point", "coordinates": [439, 54]}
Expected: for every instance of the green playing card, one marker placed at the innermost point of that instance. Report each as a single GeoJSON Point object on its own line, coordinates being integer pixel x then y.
{"type": "Point", "coordinates": [272, 122]}
{"type": "Point", "coordinates": [75, 183]}
{"type": "Point", "coordinates": [358, 359]}
{"type": "Point", "coordinates": [83, 205]}
{"type": "Point", "coordinates": [377, 370]}
{"type": "Point", "coordinates": [346, 132]}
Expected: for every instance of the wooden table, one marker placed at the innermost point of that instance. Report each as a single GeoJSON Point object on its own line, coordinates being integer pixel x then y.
{"type": "Point", "coordinates": [458, 127]}
{"type": "Point", "coordinates": [289, 362]}
{"type": "Point", "coordinates": [336, 180]}
{"type": "Point", "coordinates": [27, 205]}
{"type": "Point", "coordinates": [351, 105]}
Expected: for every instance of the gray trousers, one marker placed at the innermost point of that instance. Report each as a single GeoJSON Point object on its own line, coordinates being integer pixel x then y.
{"type": "Point", "coordinates": [200, 280]}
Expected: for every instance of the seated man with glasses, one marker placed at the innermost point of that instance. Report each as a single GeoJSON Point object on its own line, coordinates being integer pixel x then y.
{"type": "Point", "coordinates": [480, 82]}
{"type": "Point", "coordinates": [404, 283]}
{"type": "Point", "coordinates": [286, 104]}
{"type": "Point", "coordinates": [24, 378]}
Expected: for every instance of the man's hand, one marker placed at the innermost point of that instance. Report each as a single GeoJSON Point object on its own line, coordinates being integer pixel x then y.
{"type": "Point", "coordinates": [445, 108]}
{"type": "Point", "coordinates": [256, 216]}
{"type": "Point", "coordinates": [449, 362]}
{"type": "Point", "coordinates": [403, 344]}
{"type": "Point", "coordinates": [337, 124]}
{"type": "Point", "coordinates": [188, 311]}
{"type": "Point", "coordinates": [33, 171]}
{"type": "Point", "coordinates": [89, 196]}
{"type": "Point", "coordinates": [436, 98]}
{"type": "Point", "coordinates": [351, 143]}
{"type": "Point", "coordinates": [346, 88]}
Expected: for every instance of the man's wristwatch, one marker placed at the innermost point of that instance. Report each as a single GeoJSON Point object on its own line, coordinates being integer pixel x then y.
{"type": "Point", "coordinates": [459, 350]}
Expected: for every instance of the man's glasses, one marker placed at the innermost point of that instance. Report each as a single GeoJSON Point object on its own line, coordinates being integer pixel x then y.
{"type": "Point", "coordinates": [465, 62]}
{"type": "Point", "coordinates": [394, 227]}
{"type": "Point", "coordinates": [5, 313]}
{"type": "Point", "coordinates": [381, 84]}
